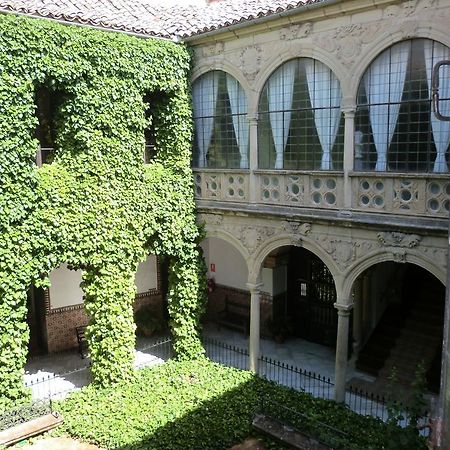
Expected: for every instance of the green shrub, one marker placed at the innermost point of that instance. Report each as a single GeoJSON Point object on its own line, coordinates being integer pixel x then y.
{"type": "Point", "coordinates": [198, 405]}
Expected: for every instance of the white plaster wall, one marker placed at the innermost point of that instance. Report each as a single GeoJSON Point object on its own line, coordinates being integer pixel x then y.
{"type": "Point", "coordinates": [65, 287]}
{"type": "Point", "coordinates": [267, 280]}
{"type": "Point", "coordinates": [231, 269]}
{"type": "Point", "coordinates": [147, 275]}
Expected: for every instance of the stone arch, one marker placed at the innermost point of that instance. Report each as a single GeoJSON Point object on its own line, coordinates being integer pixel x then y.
{"type": "Point", "coordinates": [425, 30]}
{"type": "Point", "coordinates": [231, 240]}
{"type": "Point", "coordinates": [286, 241]}
{"type": "Point", "coordinates": [224, 66]}
{"type": "Point", "coordinates": [306, 52]}
{"type": "Point", "coordinates": [357, 269]}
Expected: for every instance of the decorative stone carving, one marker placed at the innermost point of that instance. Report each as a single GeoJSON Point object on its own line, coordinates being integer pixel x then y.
{"type": "Point", "coordinates": [250, 59]}
{"type": "Point", "coordinates": [297, 227]}
{"type": "Point", "coordinates": [397, 239]}
{"type": "Point", "coordinates": [213, 49]}
{"type": "Point", "coordinates": [210, 219]}
{"type": "Point", "coordinates": [251, 237]}
{"type": "Point", "coordinates": [409, 29]}
{"type": "Point", "coordinates": [399, 256]}
{"type": "Point", "coordinates": [347, 41]}
{"type": "Point", "coordinates": [298, 31]}
{"type": "Point", "coordinates": [343, 252]}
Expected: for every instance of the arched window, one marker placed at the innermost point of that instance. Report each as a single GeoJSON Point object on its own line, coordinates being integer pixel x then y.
{"type": "Point", "coordinates": [300, 124]}
{"type": "Point", "coordinates": [221, 125]}
{"type": "Point", "coordinates": [395, 128]}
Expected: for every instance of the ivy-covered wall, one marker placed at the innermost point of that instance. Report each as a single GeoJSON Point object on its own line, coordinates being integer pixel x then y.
{"type": "Point", "coordinates": [97, 206]}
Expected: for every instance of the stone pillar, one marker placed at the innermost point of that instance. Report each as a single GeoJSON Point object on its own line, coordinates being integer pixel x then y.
{"type": "Point", "coordinates": [343, 311]}
{"type": "Point", "coordinates": [253, 159]}
{"type": "Point", "coordinates": [254, 326]}
{"type": "Point", "coordinates": [349, 139]}
{"type": "Point", "coordinates": [441, 420]}
{"type": "Point", "coordinates": [357, 316]}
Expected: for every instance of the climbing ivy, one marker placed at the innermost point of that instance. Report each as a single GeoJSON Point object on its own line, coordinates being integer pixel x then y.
{"type": "Point", "coordinates": [97, 206]}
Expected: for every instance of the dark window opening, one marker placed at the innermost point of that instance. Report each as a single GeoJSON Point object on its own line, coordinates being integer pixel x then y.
{"type": "Point", "coordinates": [48, 103]}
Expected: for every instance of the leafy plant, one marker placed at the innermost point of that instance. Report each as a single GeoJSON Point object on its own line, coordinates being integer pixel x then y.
{"type": "Point", "coordinates": [97, 207]}
{"type": "Point", "coordinates": [202, 405]}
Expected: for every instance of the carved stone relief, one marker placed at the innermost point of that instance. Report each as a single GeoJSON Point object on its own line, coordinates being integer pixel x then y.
{"type": "Point", "coordinates": [348, 41]}
{"type": "Point", "coordinates": [210, 219]}
{"type": "Point", "coordinates": [298, 31]}
{"type": "Point", "coordinates": [399, 255]}
{"type": "Point", "coordinates": [251, 237]}
{"type": "Point", "coordinates": [296, 227]}
{"type": "Point", "coordinates": [250, 61]}
{"type": "Point", "coordinates": [343, 252]}
{"type": "Point", "coordinates": [213, 49]}
{"type": "Point", "coordinates": [397, 239]}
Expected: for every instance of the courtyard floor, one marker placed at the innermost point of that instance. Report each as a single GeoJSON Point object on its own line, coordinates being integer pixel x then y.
{"type": "Point", "coordinates": [68, 371]}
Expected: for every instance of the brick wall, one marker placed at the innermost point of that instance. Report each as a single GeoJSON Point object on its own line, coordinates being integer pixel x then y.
{"type": "Point", "coordinates": [60, 323]}
{"type": "Point", "coordinates": [216, 303]}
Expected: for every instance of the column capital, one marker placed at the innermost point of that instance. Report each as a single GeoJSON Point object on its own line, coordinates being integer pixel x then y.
{"type": "Point", "coordinates": [254, 288]}
{"type": "Point", "coordinates": [252, 119]}
{"type": "Point", "coordinates": [349, 112]}
{"type": "Point", "coordinates": [343, 309]}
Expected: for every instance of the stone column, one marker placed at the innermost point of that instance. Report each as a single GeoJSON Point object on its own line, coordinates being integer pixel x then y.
{"type": "Point", "coordinates": [349, 140]}
{"type": "Point", "coordinates": [253, 159]}
{"type": "Point", "coordinates": [254, 326]}
{"type": "Point", "coordinates": [357, 316]}
{"type": "Point", "coordinates": [343, 311]}
{"type": "Point", "coordinates": [441, 420]}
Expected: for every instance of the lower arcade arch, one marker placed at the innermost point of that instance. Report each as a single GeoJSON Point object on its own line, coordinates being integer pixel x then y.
{"type": "Point", "coordinates": [398, 320]}
{"type": "Point", "coordinates": [302, 293]}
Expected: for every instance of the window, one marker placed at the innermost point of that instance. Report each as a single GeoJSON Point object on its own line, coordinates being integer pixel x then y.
{"type": "Point", "coordinates": [300, 123]}
{"type": "Point", "coordinates": [152, 100]}
{"type": "Point", "coordinates": [395, 128]}
{"type": "Point", "coordinates": [221, 125]}
{"type": "Point", "coordinates": [48, 103]}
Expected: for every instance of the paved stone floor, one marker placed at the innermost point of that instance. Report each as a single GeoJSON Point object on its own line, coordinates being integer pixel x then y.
{"type": "Point", "coordinates": [75, 370]}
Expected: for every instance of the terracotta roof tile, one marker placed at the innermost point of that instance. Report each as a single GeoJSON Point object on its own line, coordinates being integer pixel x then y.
{"type": "Point", "coordinates": [153, 17]}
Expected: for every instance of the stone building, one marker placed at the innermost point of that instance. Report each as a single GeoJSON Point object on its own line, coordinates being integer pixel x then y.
{"type": "Point", "coordinates": [320, 170]}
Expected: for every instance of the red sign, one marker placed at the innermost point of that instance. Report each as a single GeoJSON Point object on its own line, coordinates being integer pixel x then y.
{"type": "Point", "coordinates": [213, 267]}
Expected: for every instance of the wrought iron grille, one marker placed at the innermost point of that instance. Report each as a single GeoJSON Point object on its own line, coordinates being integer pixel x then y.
{"type": "Point", "coordinates": [394, 111]}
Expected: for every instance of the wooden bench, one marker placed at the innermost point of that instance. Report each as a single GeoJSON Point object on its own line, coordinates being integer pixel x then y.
{"type": "Point", "coordinates": [28, 429]}
{"type": "Point", "coordinates": [82, 342]}
{"type": "Point", "coordinates": [287, 434]}
{"type": "Point", "coordinates": [235, 315]}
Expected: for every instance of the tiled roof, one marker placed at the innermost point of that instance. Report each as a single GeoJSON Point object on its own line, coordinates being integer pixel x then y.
{"type": "Point", "coordinates": [152, 17]}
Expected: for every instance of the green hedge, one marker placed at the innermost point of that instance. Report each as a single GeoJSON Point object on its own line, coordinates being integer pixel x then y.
{"type": "Point", "coordinates": [97, 207]}
{"type": "Point", "coordinates": [197, 405]}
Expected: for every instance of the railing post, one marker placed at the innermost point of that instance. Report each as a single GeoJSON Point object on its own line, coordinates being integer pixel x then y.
{"type": "Point", "coordinates": [254, 326]}
{"type": "Point", "coordinates": [343, 311]}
